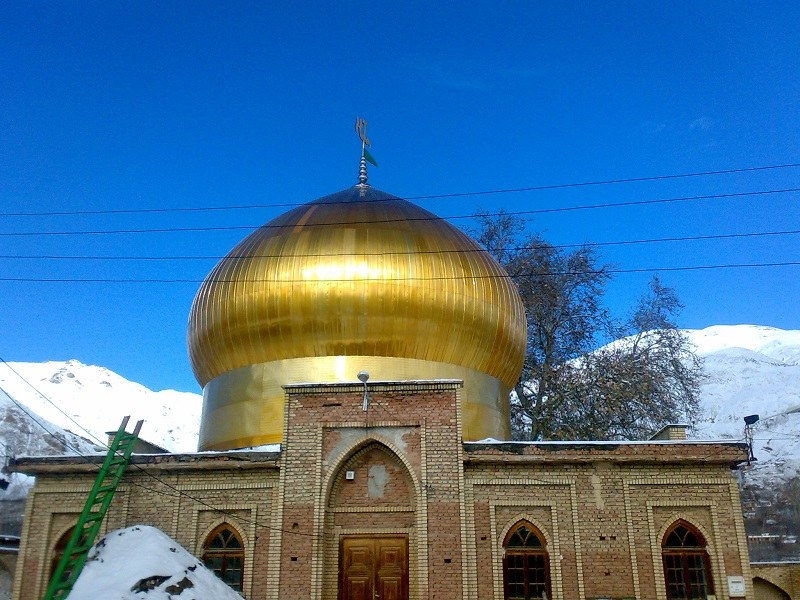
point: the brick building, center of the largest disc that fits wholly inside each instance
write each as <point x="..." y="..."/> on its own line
<point x="376" y="344"/>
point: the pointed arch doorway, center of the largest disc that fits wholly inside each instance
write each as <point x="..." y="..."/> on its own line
<point x="374" y="567"/>
<point x="371" y="514"/>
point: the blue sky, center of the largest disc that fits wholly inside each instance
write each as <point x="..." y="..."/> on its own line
<point x="141" y="105"/>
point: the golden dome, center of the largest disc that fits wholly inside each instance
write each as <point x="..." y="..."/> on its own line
<point x="359" y="273"/>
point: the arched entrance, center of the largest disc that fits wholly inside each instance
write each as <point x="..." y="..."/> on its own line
<point x="766" y="590"/>
<point x="370" y="527"/>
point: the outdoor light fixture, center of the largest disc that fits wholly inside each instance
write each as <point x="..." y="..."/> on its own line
<point x="363" y="376"/>
<point x="5" y="477"/>
<point x="749" y="421"/>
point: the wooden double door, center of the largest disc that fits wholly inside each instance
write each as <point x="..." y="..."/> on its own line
<point x="373" y="567"/>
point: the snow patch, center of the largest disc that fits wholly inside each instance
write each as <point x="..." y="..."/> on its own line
<point x="143" y="562"/>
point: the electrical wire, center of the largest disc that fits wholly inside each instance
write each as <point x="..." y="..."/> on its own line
<point x="409" y="252"/>
<point x="53" y="404"/>
<point x="91" y="461"/>
<point x="424" y="197"/>
<point x="794" y="436"/>
<point x="403" y="279"/>
<point x="385" y="410"/>
<point x="438" y="196"/>
<point x="33" y="418"/>
<point x="398" y="219"/>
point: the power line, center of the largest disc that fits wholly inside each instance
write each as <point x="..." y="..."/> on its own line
<point x="768" y="431"/>
<point x="33" y="418"/>
<point x="77" y="451"/>
<point x="404" y="279"/>
<point x="62" y="440"/>
<point x="608" y="182"/>
<point x="411" y="253"/>
<point x="424" y="197"/>
<point x="401" y="219"/>
<point x="53" y="404"/>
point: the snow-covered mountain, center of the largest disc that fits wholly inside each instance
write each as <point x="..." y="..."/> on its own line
<point x="22" y="431"/>
<point x="749" y="370"/>
<point x="752" y="370"/>
<point x="91" y="401"/>
<point x="67" y="407"/>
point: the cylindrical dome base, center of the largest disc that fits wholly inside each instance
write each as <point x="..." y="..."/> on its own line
<point x="244" y="407"/>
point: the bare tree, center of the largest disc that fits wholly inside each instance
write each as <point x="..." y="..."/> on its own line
<point x="574" y="384"/>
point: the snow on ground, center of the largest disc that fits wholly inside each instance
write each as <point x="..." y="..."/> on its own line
<point x="142" y="562"/>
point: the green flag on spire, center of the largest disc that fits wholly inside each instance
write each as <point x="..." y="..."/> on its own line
<point x="369" y="157"/>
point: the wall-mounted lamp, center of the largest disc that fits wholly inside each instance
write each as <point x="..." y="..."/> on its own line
<point x="363" y="376"/>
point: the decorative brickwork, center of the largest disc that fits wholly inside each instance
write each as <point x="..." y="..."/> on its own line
<point x="396" y="486"/>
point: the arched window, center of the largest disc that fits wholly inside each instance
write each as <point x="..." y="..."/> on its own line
<point x="526" y="565"/>
<point x="687" y="569"/>
<point x="223" y="553"/>
<point x="58" y="551"/>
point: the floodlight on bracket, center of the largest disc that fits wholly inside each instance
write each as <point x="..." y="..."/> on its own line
<point x="5" y="476"/>
<point x="749" y="421"/>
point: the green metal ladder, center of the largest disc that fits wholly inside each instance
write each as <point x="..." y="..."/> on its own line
<point x="85" y="532"/>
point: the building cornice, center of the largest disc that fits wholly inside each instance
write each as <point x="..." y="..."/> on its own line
<point x="200" y="461"/>
<point x="649" y="452"/>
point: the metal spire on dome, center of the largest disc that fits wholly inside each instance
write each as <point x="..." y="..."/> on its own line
<point x="361" y="130"/>
<point x="362" y="172"/>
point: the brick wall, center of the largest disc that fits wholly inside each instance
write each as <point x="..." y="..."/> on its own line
<point x="603" y="509"/>
<point x="186" y="504"/>
<point x="406" y="459"/>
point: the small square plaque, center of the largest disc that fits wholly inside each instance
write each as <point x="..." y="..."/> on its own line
<point x="736" y="586"/>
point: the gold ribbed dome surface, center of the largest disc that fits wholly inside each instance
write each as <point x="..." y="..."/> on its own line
<point x="359" y="273"/>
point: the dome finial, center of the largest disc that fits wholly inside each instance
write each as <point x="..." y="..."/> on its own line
<point x="361" y="130"/>
<point x="362" y="171"/>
